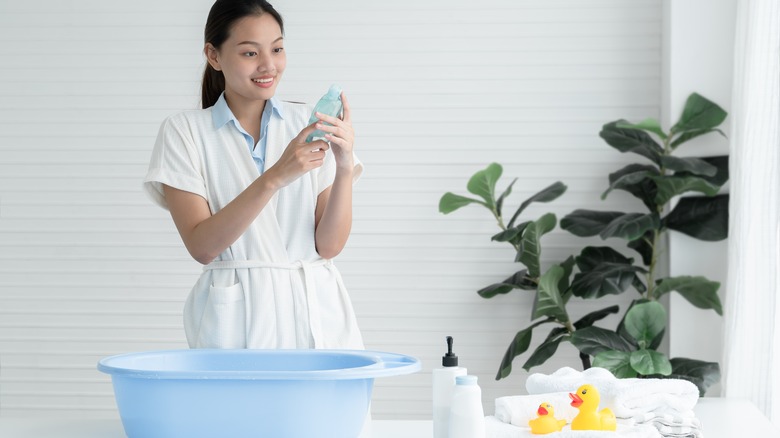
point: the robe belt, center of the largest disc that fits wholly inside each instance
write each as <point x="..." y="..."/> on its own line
<point x="311" y="292"/>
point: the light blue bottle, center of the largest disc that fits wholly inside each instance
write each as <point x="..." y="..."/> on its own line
<point x="329" y="104"/>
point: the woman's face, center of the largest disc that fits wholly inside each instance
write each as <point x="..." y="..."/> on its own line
<point x="252" y="58"/>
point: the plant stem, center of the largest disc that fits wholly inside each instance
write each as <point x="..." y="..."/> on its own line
<point x="657" y="232"/>
<point x="651" y="270"/>
<point x="585" y="361"/>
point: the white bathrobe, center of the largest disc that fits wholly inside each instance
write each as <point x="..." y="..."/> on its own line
<point x="270" y="288"/>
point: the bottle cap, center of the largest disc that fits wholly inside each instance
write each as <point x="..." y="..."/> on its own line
<point x="466" y="380"/>
<point x="449" y="359"/>
<point x="334" y="91"/>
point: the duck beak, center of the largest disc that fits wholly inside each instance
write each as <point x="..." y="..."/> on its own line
<point x="541" y="411"/>
<point x="576" y="401"/>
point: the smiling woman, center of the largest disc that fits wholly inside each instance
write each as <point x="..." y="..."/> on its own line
<point x="265" y="230"/>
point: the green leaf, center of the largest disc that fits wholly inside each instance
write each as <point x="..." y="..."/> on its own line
<point x="593" y="340"/>
<point x="699" y="291"/>
<point x="644" y="246"/>
<point x="671" y="186"/>
<point x="650" y="125"/>
<point x="631" y="140"/>
<point x="483" y="183"/>
<point x="703" y="374"/>
<point x="721" y="164"/>
<point x="547" y="194"/>
<point x="691" y="165"/>
<point x="500" y="201"/>
<point x="592" y="256"/>
<point x="546" y="349"/>
<point x="628" y="177"/>
<point x="589" y="319"/>
<point x="645" y="321"/>
<point x="621" y="329"/>
<point x="530" y="245"/>
<point x="517" y="347"/>
<point x="699" y="114"/>
<point x="606" y="279"/>
<point x="617" y="362"/>
<point x="631" y="226"/>
<point x="548" y="301"/>
<point x="519" y="280"/>
<point x="646" y="191"/>
<point x="688" y="135"/>
<point x="512" y="235"/>
<point x="603" y="271"/>
<point x="563" y="284"/>
<point x="586" y="223"/>
<point x="647" y="362"/>
<point x="451" y="202"/>
<point x="705" y="218"/>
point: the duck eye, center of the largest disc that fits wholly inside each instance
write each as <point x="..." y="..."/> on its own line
<point x="584" y="391"/>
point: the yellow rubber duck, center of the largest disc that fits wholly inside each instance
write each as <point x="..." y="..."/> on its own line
<point x="546" y="422"/>
<point x="587" y="400"/>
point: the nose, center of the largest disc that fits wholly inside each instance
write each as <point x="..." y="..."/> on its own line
<point x="265" y="64"/>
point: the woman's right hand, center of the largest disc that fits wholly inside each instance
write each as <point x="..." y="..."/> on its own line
<point x="298" y="158"/>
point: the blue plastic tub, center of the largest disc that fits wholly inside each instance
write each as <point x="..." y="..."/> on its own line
<point x="205" y="393"/>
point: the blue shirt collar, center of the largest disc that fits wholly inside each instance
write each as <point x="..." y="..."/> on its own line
<point x="221" y="114"/>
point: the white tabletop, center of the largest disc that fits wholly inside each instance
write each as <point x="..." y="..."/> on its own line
<point x="721" y="418"/>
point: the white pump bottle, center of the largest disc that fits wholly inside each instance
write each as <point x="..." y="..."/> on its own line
<point x="443" y="385"/>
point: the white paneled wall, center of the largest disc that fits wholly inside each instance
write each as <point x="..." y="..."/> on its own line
<point x="439" y="89"/>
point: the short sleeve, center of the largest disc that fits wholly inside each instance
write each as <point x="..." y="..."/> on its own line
<point x="175" y="162"/>
<point x="327" y="172"/>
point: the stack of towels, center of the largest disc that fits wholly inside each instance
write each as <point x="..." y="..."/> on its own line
<point x="644" y="408"/>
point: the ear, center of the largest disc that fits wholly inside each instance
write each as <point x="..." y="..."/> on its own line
<point x="212" y="56"/>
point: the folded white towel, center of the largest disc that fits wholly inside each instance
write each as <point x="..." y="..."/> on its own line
<point x="626" y="397"/>
<point x="495" y="428"/>
<point x="519" y="409"/>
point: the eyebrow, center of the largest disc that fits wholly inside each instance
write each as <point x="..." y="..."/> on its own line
<point x="253" y="43"/>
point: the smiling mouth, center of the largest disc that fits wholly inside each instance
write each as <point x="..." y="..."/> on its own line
<point x="263" y="80"/>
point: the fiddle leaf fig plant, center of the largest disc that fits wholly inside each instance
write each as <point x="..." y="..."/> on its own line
<point x="630" y="350"/>
<point x="551" y="287"/>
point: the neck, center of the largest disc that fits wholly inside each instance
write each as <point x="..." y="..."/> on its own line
<point x="245" y="110"/>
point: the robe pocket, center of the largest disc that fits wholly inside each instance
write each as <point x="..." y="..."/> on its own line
<point x="224" y="318"/>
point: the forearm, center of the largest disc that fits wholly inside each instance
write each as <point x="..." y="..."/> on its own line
<point x="334" y="226"/>
<point x="207" y="238"/>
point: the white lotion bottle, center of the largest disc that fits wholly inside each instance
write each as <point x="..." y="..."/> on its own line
<point x="443" y="385"/>
<point x="467" y="417"/>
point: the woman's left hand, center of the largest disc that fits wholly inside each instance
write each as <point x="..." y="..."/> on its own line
<point x="340" y="135"/>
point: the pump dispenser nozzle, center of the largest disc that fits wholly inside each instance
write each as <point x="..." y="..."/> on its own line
<point x="449" y="359"/>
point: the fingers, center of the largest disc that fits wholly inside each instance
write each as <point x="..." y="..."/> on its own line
<point x="347" y="116"/>
<point x="307" y="130"/>
<point x="339" y="131"/>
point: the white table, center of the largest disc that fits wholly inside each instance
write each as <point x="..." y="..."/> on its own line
<point x="721" y="418"/>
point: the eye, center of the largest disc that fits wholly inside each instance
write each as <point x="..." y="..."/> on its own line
<point x="248" y="54"/>
<point x="584" y="391"/>
<point x="278" y="50"/>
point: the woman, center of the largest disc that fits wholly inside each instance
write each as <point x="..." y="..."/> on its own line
<point x="263" y="210"/>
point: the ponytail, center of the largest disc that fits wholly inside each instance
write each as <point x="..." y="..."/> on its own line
<point x="213" y="86"/>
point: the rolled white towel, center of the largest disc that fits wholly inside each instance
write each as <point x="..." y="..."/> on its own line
<point x="519" y="409"/>
<point x="495" y="428"/>
<point x="626" y="397"/>
<point x="568" y="380"/>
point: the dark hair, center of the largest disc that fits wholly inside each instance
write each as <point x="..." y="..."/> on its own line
<point x="221" y="18"/>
